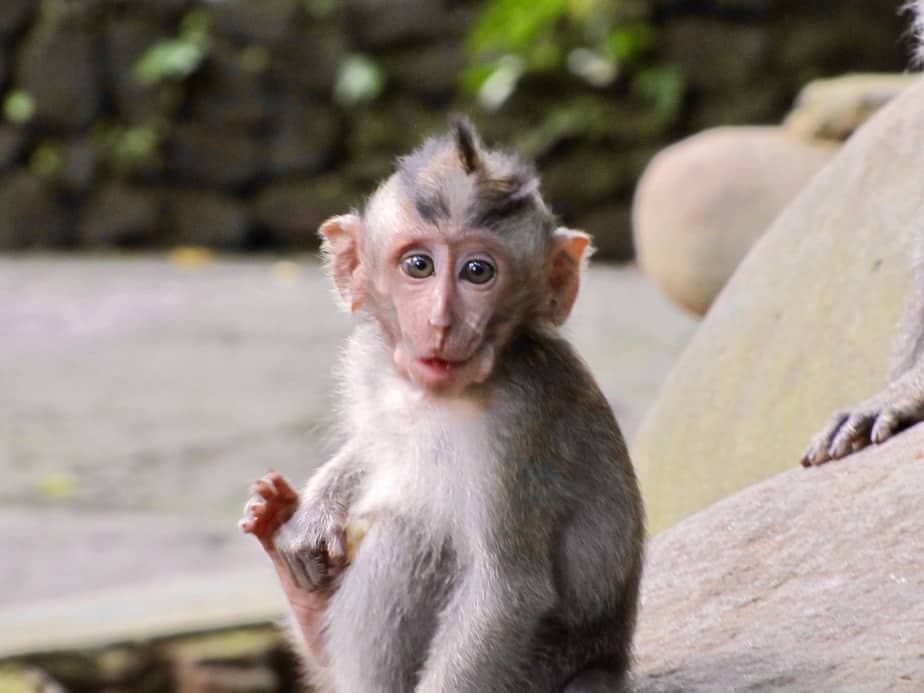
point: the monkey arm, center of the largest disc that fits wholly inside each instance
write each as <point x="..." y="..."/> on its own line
<point x="896" y="407"/>
<point x="873" y="420"/>
<point x="495" y="610"/>
<point x="309" y="550"/>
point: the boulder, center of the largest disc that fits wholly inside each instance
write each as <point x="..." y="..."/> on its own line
<point x="127" y="40"/>
<point x="809" y="581"/>
<point x="119" y="216"/>
<point x="31" y="215"/>
<point x="702" y="203"/>
<point x="199" y="217"/>
<point x="15" y="14"/>
<point x="834" y="108"/>
<point x="227" y="93"/>
<point x="380" y="24"/>
<point x="804" y="326"/>
<point x="12" y="143"/>
<point x="203" y="155"/>
<point x="267" y="21"/>
<point x="58" y="67"/>
<point x="305" y="138"/>
<point x="290" y="212"/>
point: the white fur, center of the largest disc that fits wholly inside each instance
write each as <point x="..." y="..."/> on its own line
<point x="425" y="456"/>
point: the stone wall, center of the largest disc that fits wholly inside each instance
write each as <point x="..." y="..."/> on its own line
<point x="251" y="142"/>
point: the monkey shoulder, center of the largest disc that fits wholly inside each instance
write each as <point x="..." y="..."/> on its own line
<point x="554" y="386"/>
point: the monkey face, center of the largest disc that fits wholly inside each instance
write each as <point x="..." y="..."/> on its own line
<point x="446" y="293"/>
<point x="452" y="254"/>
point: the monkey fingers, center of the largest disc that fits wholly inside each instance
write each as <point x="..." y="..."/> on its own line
<point x="271" y="504"/>
<point x="873" y="421"/>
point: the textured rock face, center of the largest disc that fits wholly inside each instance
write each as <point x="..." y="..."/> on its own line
<point x="810" y="581"/>
<point x="703" y="202"/>
<point x="805" y="325"/>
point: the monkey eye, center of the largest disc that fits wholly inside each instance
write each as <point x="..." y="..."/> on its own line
<point x="417" y="266"/>
<point x="477" y="271"/>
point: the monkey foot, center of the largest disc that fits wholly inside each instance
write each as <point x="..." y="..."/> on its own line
<point x="270" y="506"/>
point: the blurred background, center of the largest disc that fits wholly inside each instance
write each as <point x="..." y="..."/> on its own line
<point x="166" y="334"/>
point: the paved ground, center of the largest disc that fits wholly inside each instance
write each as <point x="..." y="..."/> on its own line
<point x="139" y="396"/>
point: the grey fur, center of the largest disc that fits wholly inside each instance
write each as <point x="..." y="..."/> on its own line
<point x="562" y="539"/>
<point x="506" y="528"/>
<point x="917" y="27"/>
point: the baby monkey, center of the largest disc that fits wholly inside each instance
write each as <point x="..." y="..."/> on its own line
<point x="480" y="529"/>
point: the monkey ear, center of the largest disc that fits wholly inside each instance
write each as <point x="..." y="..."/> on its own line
<point x="569" y="251"/>
<point x="340" y="239"/>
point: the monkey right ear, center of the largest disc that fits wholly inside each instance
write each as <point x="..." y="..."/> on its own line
<point x="340" y="239"/>
<point x="568" y="253"/>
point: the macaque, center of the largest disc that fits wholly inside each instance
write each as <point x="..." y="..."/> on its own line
<point x="901" y="403"/>
<point x="480" y="529"/>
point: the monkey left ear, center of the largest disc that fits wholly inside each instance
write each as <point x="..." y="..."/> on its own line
<point x="340" y="239"/>
<point x="569" y="250"/>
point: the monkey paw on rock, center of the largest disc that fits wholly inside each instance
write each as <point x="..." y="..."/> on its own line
<point x="874" y="420"/>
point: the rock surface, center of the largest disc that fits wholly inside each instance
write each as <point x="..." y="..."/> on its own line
<point x="834" y="108"/>
<point x="804" y="326"/>
<point x="810" y="581"/>
<point x="702" y="203"/>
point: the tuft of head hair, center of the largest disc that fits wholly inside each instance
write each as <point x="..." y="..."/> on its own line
<point x="916" y="7"/>
<point x="466" y="144"/>
<point x="454" y="176"/>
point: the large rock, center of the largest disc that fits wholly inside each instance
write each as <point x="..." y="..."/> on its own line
<point x="810" y="581"/>
<point x="200" y="217"/>
<point x="31" y="215"/>
<point x="119" y="216"/>
<point x="206" y="156"/>
<point x="58" y="67"/>
<point x="703" y="202"/>
<point x="805" y="325"/>
<point x="290" y="212"/>
<point x="15" y="14"/>
<point x="835" y="108"/>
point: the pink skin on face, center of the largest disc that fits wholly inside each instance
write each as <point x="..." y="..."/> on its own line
<point x="444" y="291"/>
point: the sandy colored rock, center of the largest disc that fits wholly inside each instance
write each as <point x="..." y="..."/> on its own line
<point x="835" y="108"/>
<point x="804" y="326"/>
<point x="702" y="203"/>
<point x="810" y="581"/>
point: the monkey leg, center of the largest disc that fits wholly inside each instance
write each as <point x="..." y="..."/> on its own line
<point x="383" y="615"/>
<point x="874" y="420"/>
<point x="272" y="504"/>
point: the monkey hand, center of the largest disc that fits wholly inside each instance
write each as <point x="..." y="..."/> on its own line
<point x="271" y="504"/>
<point x="871" y="421"/>
<point x="313" y="544"/>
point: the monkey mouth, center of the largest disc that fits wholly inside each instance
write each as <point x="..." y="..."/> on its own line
<point x="438" y="364"/>
<point x="438" y="371"/>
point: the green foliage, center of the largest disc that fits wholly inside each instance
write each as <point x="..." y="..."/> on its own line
<point x="176" y="58"/>
<point x="596" y="40"/>
<point x="663" y="86"/>
<point x="359" y="79"/>
<point x="18" y="107"/>
<point x="255" y="58"/>
<point x="128" y="147"/>
<point x="46" y="159"/>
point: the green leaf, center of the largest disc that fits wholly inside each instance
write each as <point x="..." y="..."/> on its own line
<point x="664" y="86"/>
<point x="18" y="107"/>
<point x="359" y="79"/>
<point x="46" y="159"/>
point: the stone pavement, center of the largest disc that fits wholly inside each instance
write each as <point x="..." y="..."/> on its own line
<point x="139" y="396"/>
